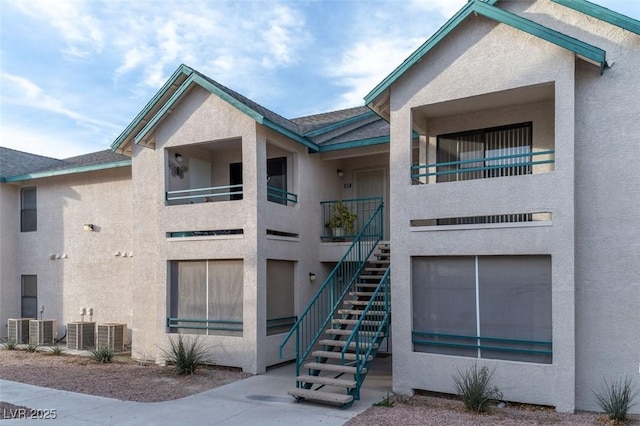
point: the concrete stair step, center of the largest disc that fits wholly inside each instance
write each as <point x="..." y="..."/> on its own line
<point x="342" y="344"/>
<point x="367" y="285"/>
<point x="361" y="293"/>
<point x="369" y="277"/>
<point x="341" y="321"/>
<point x="314" y="395"/>
<point x="374" y="269"/>
<point x="329" y="381"/>
<point x="363" y="302"/>
<point x="336" y="355"/>
<point x="347" y="332"/>
<point x="334" y="368"/>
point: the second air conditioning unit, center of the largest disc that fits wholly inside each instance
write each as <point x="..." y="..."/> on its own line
<point x="112" y="336"/>
<point x="43" y="332"/>
<point x="18" y="330"/>
<point x="81" y="335"/>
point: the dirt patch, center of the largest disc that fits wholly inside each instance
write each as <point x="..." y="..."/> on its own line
<point x="431" y="410"/>
<point x="123" y="379"/>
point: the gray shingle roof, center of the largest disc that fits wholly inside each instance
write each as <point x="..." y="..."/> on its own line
<point x="14" y="163"/>
<point x="17" y="163"/>
<point x="317" y="121"/>
<point x="370" y="130"/>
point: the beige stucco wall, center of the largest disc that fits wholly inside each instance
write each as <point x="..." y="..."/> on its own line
<point x="482" y="57"/>
<point x="85" y="273"/>
<point x="9" y="275"/>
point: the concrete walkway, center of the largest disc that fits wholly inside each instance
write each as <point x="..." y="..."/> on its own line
<point x="258" y="400"/>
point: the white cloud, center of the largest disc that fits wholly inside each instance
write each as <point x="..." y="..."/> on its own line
<point x="81" y="31"/>
<point x="446" y="8"/>
<point x="21" y="91"/>
<point x="44" y="142"/>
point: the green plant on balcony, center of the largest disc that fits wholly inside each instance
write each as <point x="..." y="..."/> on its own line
<point x="342" y="219"/>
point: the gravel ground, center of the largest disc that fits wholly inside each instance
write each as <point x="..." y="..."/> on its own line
<point x="128" y="380"/>
<point x="123" y="379"/>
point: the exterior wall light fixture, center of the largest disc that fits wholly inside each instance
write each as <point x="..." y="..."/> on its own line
<point x="312" y="277"/>
<point x="89" y="227"/>
<point x="340" y="173"/>
<point x="178" y="157"/>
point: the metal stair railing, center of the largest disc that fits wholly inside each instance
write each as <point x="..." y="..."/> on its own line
<point x="321" y="309"/>
<point x="365" y="343"/>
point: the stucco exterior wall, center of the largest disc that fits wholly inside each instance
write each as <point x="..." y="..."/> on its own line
<point x="502" y="59"/>
<point x="84" y="271"/>
<point x="9" y="276"/>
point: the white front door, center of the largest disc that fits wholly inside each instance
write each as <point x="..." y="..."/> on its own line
<point x="371" y="183"/>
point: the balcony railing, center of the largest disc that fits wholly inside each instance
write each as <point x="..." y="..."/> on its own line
<point x="281" y="196"/>
<point x="214" y="193"/>
<point x="363" y="208"/>
<point x="480" y="168"/>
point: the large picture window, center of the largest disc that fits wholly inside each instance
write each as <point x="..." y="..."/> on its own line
<point x="206" y="297"/>
<point x="28" y="210"/>
<point x="500" y="151"/>
<point x="496" y="307"/>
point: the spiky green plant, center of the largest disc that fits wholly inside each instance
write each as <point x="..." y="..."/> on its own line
<point x="56" y="350"/>
<point x="474" y="388"/>
<point x="102" y="355"/>
<point x="186" y="355"/>
<point x="11" y="345"/>
<point x="31" y="347"/>
<point x="386" y="402"/>
<point x="616" y="397"/>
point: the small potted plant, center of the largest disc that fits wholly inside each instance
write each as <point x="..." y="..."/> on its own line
<point x="342" y="220"/>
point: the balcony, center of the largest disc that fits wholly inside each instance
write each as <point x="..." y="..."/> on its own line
<point x="344" y="219"/>
<point x="483" y="167"/>
<point x="206" y="195"/>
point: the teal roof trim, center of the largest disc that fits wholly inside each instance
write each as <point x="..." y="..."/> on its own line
<point x="71" y="170"/>
<point x="355" y="144"/>
<point x="602" y="13"/>
<point x="184" y="87"/>
<point x="182" y="69"/>
<point x="489" y="11"/>
<point x="288" y="133"/>
<point x="339" y="124"/>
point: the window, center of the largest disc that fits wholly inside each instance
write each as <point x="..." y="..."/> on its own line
<point x="28" y="210"/>
<point x="29" y="292"/>
<point x="206" y="297"/>
<point x="277" y="180"/>
<point x="235" y="179"/>
<point x="496" y="307"/>
<point x="280" y="296"/>
<point x="500" y="151"/>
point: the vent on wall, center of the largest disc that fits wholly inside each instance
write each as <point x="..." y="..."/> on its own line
<point x="81" y="335"/>
<point x="43" y="332"/>
<point x="18" y="329"/>
<point x="112" y="336"/>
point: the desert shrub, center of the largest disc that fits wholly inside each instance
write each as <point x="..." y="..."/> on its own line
<point x="102" y="355"/>
<point x="474" y="388"/>
<point x="616" y="397"/>
<point x="11" y="345"/>
<point x="56" y="350"/>
<point x="186" y="355"/>
<point x="386" y="402"/>
<point x="31" y="347"/>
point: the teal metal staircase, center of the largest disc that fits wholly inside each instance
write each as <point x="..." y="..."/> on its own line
<point x="340" y="332"/>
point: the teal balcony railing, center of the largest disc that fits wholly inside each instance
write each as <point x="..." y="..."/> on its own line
<point x="281" y="196"/>
<point x="363" y="208"/>
<point x="318" y="314"/>
<point x="213" y="193"/>
<point x="483" y="167"/>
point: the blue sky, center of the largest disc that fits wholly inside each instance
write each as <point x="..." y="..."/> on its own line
<point x="74" y="73"/>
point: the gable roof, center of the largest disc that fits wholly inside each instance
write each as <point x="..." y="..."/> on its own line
<point x="304" y="130"/>
<point x="16" y="166"/>
<point x="602" y="13"/>
<point x="487" y="9"/>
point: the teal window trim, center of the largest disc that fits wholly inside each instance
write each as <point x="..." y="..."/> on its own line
<point x="234" y="325"/>
<point x="602" y="13"/>
<point x="418" y="338"/>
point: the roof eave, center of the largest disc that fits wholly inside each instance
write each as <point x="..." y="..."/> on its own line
<point x="67" y="171"/>
<point x="603" y="14"/>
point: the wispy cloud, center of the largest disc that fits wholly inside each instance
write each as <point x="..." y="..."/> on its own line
<point x="21" y="91"/>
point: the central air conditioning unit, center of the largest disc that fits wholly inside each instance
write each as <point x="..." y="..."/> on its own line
<point x="112" y="336"/>
<point x="81" y="335"/>
<point x="18" y="329"/>
<point x="43" y="332"/>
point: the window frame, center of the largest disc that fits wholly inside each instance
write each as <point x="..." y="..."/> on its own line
<point x="28" y="224"/>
